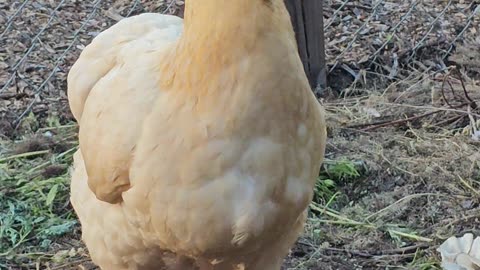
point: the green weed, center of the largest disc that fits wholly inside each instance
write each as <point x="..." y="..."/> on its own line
<point x="34" y="198"/>
<point x="332" y="174"/>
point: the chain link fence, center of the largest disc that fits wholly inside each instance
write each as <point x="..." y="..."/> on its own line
<point x="40" y="40"/>
<point x="365" y="40"/>
<point x="390" y="40"/>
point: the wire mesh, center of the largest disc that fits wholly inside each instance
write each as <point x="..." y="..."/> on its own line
<point x="392" y="38"/>
<point x="40" y="40"/>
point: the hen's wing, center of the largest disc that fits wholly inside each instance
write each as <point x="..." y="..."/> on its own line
<point x="118" y="69"/>
<point x="106" y="51"/>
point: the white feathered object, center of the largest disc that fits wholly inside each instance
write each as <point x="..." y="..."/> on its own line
<point x="461" y="253"/>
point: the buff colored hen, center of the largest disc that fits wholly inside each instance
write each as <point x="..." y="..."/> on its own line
<point x="200" y="141"/>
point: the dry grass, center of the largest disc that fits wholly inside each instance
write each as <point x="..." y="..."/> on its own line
<point x="385" y="199"/>
<point x="419" y="184"/>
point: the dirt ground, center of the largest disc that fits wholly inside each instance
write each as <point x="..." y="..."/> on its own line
<point x="402" y="170"/>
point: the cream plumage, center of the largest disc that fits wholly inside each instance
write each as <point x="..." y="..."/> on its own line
<point x="201" y="143"/>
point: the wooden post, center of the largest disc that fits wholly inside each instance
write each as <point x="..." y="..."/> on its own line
<point x="307" y="20"/>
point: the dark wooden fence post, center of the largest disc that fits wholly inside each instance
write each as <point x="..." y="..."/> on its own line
<point x="307" y="20"/>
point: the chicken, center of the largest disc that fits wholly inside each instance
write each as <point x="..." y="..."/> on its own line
<point x="200" y="141"/>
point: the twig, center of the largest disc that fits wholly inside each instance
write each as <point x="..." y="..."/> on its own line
<point x="473" y="105"/>
<point x="397" y="122"/>
<point x="71" y="264"/>
<point x="12" y="95"/>
<point x="341" y="220"/>
<point x="449" y="120"/>
<point x="376" y="125"/>
<point x="352" y="6"/>
<point x="468" y="186"/>
<point x="410" y="236"/>
<point x="357" y="253"/>
<point x="24" y="155"/>
<point x="401" y="201"/>
<point x="402" y="251"/>
<point x="445" y="79"/>
<point x="423" y="107"/>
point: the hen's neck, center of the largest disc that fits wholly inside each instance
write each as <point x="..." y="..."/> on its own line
<point x="218" y="33"/>
<point x="212" y="25"/>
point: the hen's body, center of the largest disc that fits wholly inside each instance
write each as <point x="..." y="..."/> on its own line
<point x="206" y="145"/>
